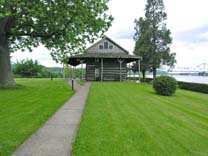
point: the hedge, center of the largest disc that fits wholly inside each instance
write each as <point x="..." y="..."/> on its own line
<point x="198" y="87"/>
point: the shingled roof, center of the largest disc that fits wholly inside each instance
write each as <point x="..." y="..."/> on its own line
<point x="75" y="60"/>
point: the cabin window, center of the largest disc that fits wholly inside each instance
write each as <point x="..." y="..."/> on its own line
<point x="105" y="45"/>
<point x="110" y="46"/>
<point x="100" y="46"/>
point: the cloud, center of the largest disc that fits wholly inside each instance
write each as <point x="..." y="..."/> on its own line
<point x="203" y="36"/>
<point x="187" y="20"/>
<point x="123" y="34"/>
<point x="199" y="34"/>
<point x="184" y="15"/>
<point x="191" y="54"/>
<point x="41" y="54"/>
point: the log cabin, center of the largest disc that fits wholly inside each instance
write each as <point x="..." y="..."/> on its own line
<point x="105" y="61"/>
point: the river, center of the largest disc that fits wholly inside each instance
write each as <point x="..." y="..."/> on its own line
<point x="187" y="78"/>
<point x="196" y="79"/>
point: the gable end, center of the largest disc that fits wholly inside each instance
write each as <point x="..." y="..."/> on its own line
<point x="106" y="45"/>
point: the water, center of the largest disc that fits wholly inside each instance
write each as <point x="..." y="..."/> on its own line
<point x="195" y="79"/>
<point x="187" y="78"/>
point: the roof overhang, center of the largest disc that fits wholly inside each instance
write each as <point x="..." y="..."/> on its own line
<point x="79" y="59"/>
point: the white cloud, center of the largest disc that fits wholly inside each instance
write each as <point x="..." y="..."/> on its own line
<point x="41" y="54"/>
<point x="190" y="55"/>
<point x="184" y="16"/>
<point x="203" y="35"/>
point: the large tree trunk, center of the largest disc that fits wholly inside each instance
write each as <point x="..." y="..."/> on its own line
<point x="154" y="70"/>
<point x="6" y="78"/>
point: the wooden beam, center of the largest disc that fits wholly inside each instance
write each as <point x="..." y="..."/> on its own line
<point x="139" y="69"/>
<point x="101" y="69"/>
<point x="120" y="61"/>
<point x="81" y="61"/>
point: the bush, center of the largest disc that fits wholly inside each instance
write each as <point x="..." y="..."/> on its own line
<point x="198" y="87"/>
<point x="164" y="85"/>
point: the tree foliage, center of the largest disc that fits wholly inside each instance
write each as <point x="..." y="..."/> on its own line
<point x="63" y="26"/>
<point x="153" y="38"/>
<point x="142" y="45"/>
<point x="31" y="68"/>
<point x="27" y="68"/>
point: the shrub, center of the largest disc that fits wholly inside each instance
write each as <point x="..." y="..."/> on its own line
<point x="198" y="87"/>
<point x="164" y="85"/>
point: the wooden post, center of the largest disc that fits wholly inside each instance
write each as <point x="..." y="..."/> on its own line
<point x="72" y="84"/>
<point x="101" y="69"/>
<point x="120" y="61"/>
<point x="139" y="69"/>
<point x="70" y="68"/>
<point x="64" y="72"/>
<point x="134" y="72"/>
<point x="81" y="61"/>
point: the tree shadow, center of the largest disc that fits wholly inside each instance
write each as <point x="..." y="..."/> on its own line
<point x="16" y="87"/>
<point x="156" y="94"/>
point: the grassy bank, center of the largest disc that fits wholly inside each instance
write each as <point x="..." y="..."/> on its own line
<point x="25" y="108"/>
<point x="127" y="119"/>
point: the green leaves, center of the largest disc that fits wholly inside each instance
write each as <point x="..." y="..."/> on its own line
<point x="63" y="26"/>
<point x="152" y="38"/>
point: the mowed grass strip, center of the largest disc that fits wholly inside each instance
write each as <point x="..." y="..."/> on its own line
<point x="128" y="119"/>
<point x="25" y="108"/>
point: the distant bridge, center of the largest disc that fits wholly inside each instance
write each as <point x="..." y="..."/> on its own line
<point x="199" y="68"/>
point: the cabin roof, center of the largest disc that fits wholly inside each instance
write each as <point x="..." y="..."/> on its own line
<point x="107" y="38"/>
<point x="75" y="60"/>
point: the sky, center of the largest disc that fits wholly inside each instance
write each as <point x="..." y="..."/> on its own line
<point x="187" y="20"/>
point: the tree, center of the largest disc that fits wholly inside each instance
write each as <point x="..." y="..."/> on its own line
<point x="62" y="26"/>
<point x="141" y="48"/>
<point x="154" y="37"/>
<point x="27" y="68"/>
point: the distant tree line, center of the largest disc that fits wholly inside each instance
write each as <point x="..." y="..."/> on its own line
<point x="32" y="69"/>
<point x="29" y="68"/>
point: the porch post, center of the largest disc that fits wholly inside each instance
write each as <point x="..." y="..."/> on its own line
<point x="64" y="72"/>
<point x="139" y="69"/>
<point x="101" y="69"/>
<point x="81" y="61"/>
<point x="120" y="61"/>
<point x="71" y="72"/>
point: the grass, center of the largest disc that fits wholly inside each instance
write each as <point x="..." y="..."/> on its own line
<point x="128" y="119"/>
<point x="25" y="108"/>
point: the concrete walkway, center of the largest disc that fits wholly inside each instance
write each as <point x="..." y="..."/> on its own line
<point x="56" y="136"/>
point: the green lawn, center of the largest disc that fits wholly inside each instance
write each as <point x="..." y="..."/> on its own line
<point x="128" y="119"/>
<point x="25" y="108"/>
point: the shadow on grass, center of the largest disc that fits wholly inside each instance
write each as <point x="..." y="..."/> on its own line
<point x="16" y="87"/>
<point x="156" y="94"/>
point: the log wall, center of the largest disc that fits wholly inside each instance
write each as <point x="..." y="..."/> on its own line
<point x="111" y="70"/>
